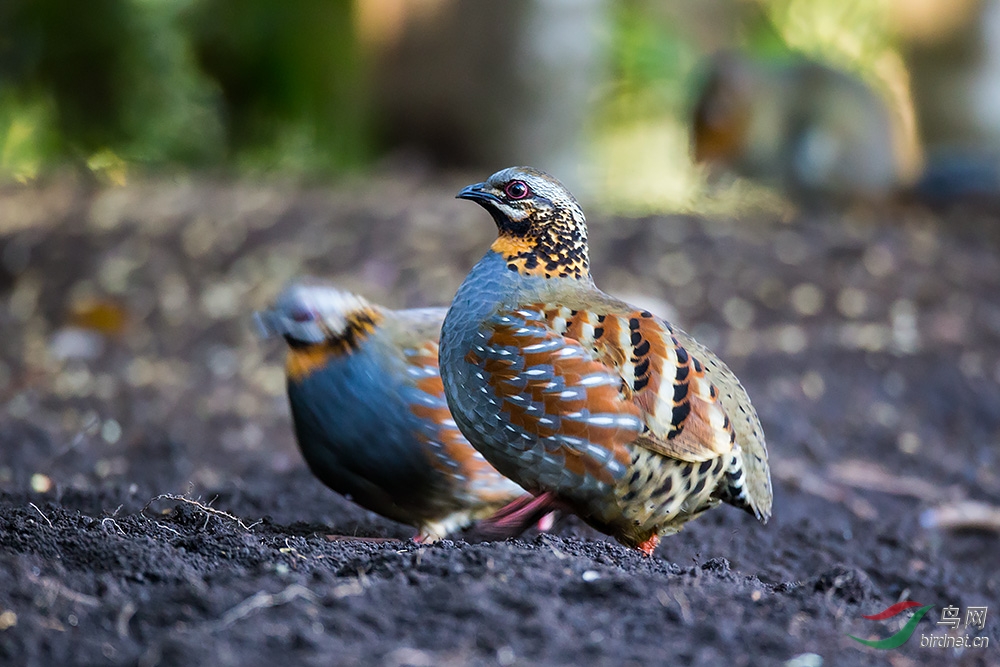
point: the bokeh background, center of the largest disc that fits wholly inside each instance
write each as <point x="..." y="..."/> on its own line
<point x="809" y="187"/>
<point x="595" y="91"/>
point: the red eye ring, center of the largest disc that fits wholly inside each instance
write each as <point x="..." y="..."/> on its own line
<point x="517" y="190"/>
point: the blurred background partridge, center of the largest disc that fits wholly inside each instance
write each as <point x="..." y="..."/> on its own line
<point x="807" y="128"/>
<point x="582" y="399"/>
<point x="369" y="411"/>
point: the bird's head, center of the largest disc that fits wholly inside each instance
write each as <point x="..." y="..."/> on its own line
<point x="318" y="321"/>
<point x="542" y="230"/>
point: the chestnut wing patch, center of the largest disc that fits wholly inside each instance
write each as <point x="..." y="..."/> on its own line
<point x="680" y="407"/>
<point x="554" y="398"/>
<point x="450" y="452"/>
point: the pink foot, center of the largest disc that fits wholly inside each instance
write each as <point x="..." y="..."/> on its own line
<point x="649" y="546"/>
<point x="517" y="516"/>
<point x="545" y="524"/>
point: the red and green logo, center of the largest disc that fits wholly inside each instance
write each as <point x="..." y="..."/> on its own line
<point x="898" y="639"/>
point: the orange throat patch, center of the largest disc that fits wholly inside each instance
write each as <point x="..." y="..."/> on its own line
<point x="512" y="246"/>
<point x="546" y="258"/>
<point x="302" y="362"/>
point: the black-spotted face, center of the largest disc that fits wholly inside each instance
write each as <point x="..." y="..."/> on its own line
<point x="542" y="229"/>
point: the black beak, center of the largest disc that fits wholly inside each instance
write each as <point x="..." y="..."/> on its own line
<point x="477" y="193"/>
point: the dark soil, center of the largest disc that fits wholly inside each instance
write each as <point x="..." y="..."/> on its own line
<point x="869" y="341"/>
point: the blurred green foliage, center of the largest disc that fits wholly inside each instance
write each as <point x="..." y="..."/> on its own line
<point x="850" y="34"/>
<point x="656" y="50"/>
<point x="659" y="49"/>
<point x="116" y="75"/>
<point x="651" y="61"/>
<point x="291" y="81"/>
<point x="250" y="83"/>
<point x="258" y="85"/>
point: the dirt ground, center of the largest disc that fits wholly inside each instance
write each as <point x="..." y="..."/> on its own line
<point x="154" y="509"/>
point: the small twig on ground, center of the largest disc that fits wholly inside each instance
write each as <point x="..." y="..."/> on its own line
<point x="42" y="514"/>
<point x="560" y="555"/>
<point x="124" y="618"/>
<point x="211" y="511"/>
<point x="350" y="587"/>
<point x="962" y="515"/>
<point x="57" y="589"/>
<point x="682" y="603"/>
<point x="289" y="549"/>
<point x="873" y="477"/>
<point x="355" y="538"/>
<point x="797" y="473"/>
<point x="165" y="527"/>
<point x="106" y="520"/>
<point x="262" y="600"/>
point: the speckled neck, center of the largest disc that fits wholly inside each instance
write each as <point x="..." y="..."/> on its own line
<point x="553" y="245"/>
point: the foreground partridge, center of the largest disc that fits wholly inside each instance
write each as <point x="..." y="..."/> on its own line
<point x="587" y="402"/>
<point x="370" y="414"/>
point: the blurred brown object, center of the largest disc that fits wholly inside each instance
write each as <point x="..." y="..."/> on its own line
<point x="101" y="315"/>
<point x="962" y="515"/>
<point x="952" y="49"/>
<point x="813" y="131"/>
<point x="488" y="83"/>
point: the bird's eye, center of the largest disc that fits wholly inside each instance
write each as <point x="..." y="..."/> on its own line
<point x="302" y="315"/>
<point x="517" y="190"/>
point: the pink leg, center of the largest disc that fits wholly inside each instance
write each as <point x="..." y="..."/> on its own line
<point x="517" y="516"/>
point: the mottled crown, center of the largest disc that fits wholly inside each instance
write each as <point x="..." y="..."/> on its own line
<point x="310" y="313"/>
<point x="542" y="229"/>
